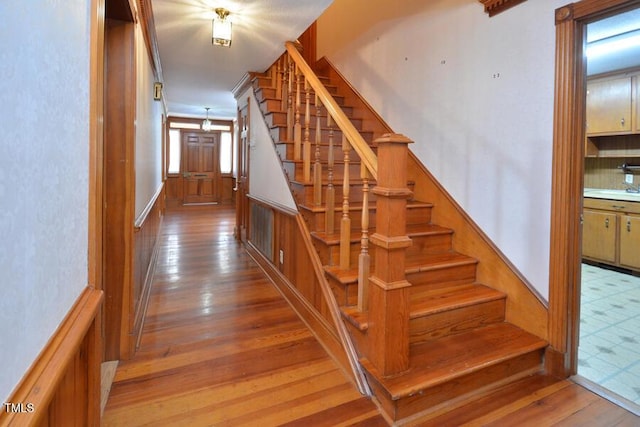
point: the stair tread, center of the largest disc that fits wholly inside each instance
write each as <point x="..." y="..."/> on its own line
<point x="411" y="204"/>
<point x="413" y="230"/>
<point x="431" y="301"/>
<point x="445" y="359"/>
<point x="423" y="262"/>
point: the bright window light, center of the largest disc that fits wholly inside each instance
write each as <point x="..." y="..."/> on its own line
<point x="174" y="151"/>
<point x="226" y="152"/>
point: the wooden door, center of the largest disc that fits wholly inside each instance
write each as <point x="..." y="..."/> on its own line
<point x="630" y="241"/>
<point x="599" y="235"/>
<point x="242" y="190"/>
<point x="201" y="167"/>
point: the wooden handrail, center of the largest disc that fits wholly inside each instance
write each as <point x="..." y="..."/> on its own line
<point x="367" y="156"/>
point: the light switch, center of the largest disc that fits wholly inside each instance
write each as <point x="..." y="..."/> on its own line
<point x="628" y="178"/>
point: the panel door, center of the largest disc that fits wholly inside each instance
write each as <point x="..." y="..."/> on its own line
<point x="201" y="170"/>
<point x="630" y="241"/>
<point x="599" y="235"/>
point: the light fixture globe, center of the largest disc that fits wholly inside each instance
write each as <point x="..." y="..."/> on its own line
<point x="221" y="28"/>
<point x="206" y="124"/>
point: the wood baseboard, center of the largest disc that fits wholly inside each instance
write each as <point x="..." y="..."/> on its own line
<point x="62" y="387"/>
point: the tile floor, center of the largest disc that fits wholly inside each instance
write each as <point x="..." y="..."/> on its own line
<point x="609" y="350"/>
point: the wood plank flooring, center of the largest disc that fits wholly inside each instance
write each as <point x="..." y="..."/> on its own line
<point x="221" y="347"/>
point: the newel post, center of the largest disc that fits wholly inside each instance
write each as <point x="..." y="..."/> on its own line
<point x="389" y="289"/>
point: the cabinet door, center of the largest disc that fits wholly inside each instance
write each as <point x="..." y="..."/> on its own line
<point x="630" y="241"/>
<point x="609" y="106"/>
<point x="599" y="235"/>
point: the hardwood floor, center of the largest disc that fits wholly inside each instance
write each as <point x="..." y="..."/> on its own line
<point x="221" y="347"/>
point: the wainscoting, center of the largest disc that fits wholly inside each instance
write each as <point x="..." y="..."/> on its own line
<point x="286" y="255"/>
<point x="145" y="238"/>
<point x="62" y="387"/>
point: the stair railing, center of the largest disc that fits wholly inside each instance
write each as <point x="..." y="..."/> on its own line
<point x="305" y="79"/>
<point x="386" y="287"/>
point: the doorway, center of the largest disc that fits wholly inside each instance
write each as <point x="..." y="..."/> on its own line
<point x="609" y="341"/>
<point x="568" y="178"/>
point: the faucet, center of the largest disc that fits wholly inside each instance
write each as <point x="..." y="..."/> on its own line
<point x="631" y="188"/>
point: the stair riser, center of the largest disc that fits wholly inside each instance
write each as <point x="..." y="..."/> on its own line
<point x="330" y="253"/>
<point x="430" y="244"/>
<point x="469" y="386"/>
<point x="304" y="194"/>
<point x="456" y="321"/>
<point x="279" y="133"/>
<point x="295" y="170"/>
<point x="442" y="277"/>
<point x="346" y="294"/>
<point x="286" y="151"/>
<point x="277" y="116"/>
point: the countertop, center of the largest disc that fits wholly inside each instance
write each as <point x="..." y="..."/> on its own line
<point x="599" y="193"/>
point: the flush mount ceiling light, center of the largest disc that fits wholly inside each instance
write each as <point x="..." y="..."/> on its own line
<point x="206" y="124"/>
<point x="221" y="28"/>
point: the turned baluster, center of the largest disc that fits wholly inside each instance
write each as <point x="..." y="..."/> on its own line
<point x="317" y="166"/>
<point x="331" y="191"/>
<point x="345" y="223"/>
<point x="364" y="260"/>
<point x="278" y="78"/>
<point x="285" y="85"/>
<point x="290" y="79"/>
<point x="306" y="153"/>
<point x="297" y="127"/>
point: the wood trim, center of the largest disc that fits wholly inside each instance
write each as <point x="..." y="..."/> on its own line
<point x="46" y="377"/>
<point x="148" y="27"/>
<point x="143" y="215"/>
<point x="567" y="179"/>
<point x="493" y="7"/>
<point x="367" y="156"/>
<point x="278" y="207"/>
<point x="96" y="142"/>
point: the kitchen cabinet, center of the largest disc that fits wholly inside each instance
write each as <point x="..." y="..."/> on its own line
<point x="630" y="241"/>
<point x="599" y="235"/>
<point x="611" y="232"/>
<point x="609" y="106"/>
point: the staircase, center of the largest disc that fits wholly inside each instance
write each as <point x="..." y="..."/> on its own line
<point x="428" y="335"/>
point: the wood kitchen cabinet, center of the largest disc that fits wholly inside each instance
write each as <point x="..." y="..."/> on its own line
<point x="609" y="106"/>
<point x="599" y="235"/>
<point x="630" y="241"/>
<point x="611" y="232"/>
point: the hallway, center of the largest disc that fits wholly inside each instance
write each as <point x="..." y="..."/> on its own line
<point x="220" y="346"/>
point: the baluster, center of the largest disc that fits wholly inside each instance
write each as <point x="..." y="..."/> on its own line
<point x="307" y="122"/>
<point x="317" y="166"/>
<point x="290" y="100"/>
<point x="331" y="191"/>
<point x="297" y="127"/>
<point x="285" y="85"/>
<point x="278" y="78"/>
<point x="345" y="223"/>
<point x="364" y="260"/>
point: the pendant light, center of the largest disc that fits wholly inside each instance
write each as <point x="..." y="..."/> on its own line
<point x="206" y="124"/>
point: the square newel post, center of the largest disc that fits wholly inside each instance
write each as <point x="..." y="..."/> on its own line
<point x="389" y="289"/>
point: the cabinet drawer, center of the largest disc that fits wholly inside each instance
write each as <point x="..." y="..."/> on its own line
<point x="612" y="205"/>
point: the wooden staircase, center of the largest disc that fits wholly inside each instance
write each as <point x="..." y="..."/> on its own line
<point x="427" y="333"/>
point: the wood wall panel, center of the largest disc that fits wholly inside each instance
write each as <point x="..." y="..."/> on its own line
<point x="62" y="387"/>
<point x="145" y="251"/>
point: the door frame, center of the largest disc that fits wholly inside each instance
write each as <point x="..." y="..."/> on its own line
<point x="568" y="178"/>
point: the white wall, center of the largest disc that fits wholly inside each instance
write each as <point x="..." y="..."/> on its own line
<point x="148" y="154"/>
<point x="266" y="180"/>
<point x="475" y="94"/>
<point x="44" y="140"/>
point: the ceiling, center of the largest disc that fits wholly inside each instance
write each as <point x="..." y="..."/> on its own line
<point x="198" y="74"/>
<point x="605" y="33"/>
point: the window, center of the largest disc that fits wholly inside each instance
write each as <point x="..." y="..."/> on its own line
<point x="226" y="152"/>
<point x="174" y="151"/>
